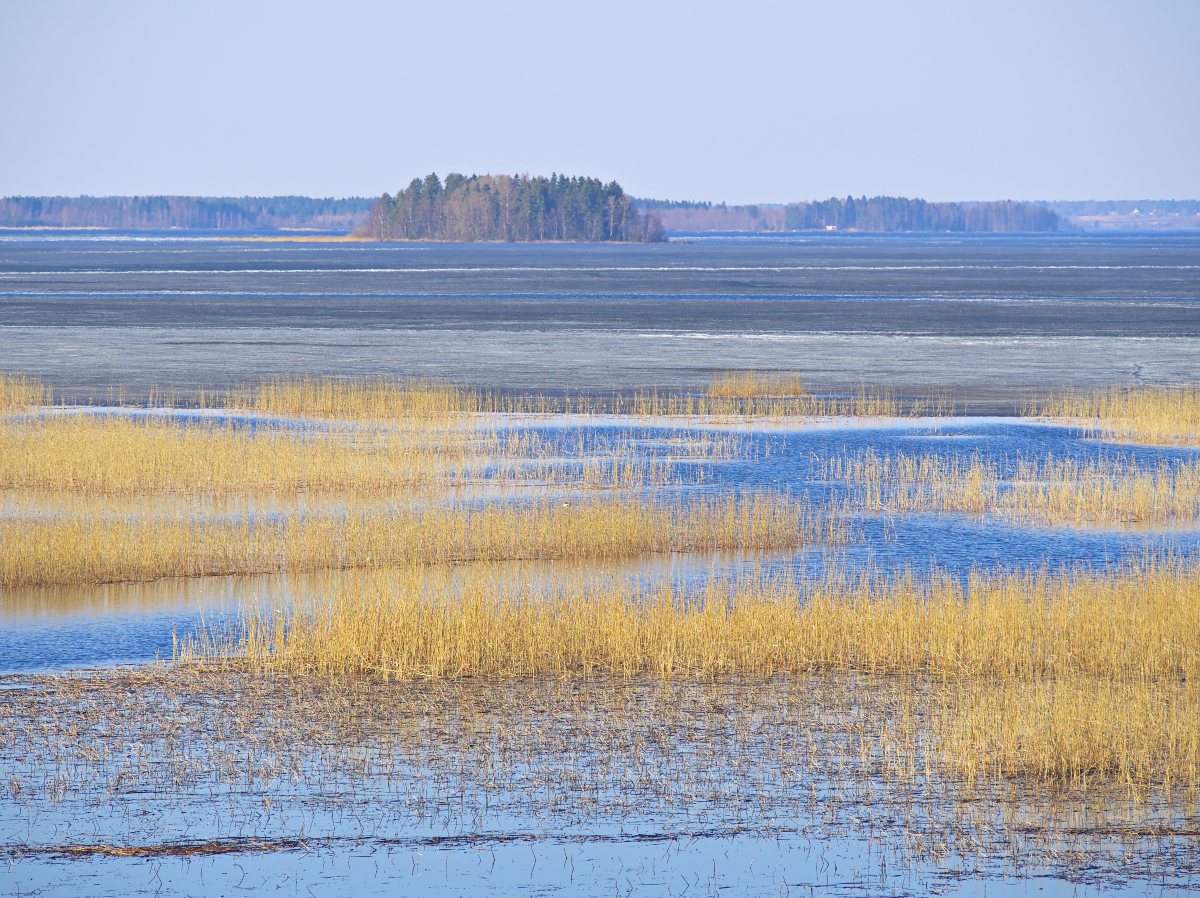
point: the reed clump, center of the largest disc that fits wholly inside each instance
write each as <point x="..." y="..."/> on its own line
<point x="1073" y="678"/>
<point x="97" y="548"/>
<point x="1141" y="626"/>
<point x="1039" y="490"/>
<point x="1167" y="416"/>
<point x="755" y="384"/>
<point x="362" y="398"/>
<point x="118" y="455"/>
<point x="731" y="395"/>
<point x="19" y="393"/>
<point x="732" y="404"/>
<point x="782" y="395"/>
<point x="1073" y="730"/>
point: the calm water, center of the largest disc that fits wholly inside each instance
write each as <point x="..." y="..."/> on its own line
<point x="991" y="317"/>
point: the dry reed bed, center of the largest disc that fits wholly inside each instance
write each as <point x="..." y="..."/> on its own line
<point x="730" y="395"/>
<point x="1142" y="625"/>
<point x="1168" y="416"/>
<point x="120" y="456"/>
<point x="1047" y="490"/>
<point x="99" y="549"/>
<point x="1078" y="731"/>
<point x="19" y="393"/>
<point x="113" y="455"/>
<point x="1110" y="664"/>
<point x="366" y="398"/>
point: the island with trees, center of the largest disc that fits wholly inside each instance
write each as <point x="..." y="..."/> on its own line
<point x="511" y="208"/>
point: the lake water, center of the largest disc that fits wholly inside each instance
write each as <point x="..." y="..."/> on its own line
<point x="990" y="317"/>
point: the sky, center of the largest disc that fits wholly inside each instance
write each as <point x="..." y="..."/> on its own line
<point x="737" y="102"/>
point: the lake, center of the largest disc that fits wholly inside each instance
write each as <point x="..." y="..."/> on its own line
<point x="990" y="318"/>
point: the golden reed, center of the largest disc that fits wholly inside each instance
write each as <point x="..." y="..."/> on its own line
<point x="1075" y="678"/>
<point x="1167" y="416"/>
<point x="97" y="548"/>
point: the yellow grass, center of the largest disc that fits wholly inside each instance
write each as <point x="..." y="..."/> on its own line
<point x="1075" y="730"/>
<point x="95" y="549"/>
<point x="121" y="456"/>
<point x="731" y="404"/>
<point x="1167" y="416"/>
<point x="117" y="455"/>
<point x="754" y="384"/>
<point x="18" y="393"/>
<point x="731" y="395"/>
<point x="314" y="397"/>
<point x="1050" y="491"/>
<point x="1143" y="625"/>
<point x="1075" y="679"/>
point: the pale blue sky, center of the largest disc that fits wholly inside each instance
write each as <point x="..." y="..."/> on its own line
<point x="743" y="102"/>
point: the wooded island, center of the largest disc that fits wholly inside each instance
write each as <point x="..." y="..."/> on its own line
<point x="511" y="208"/>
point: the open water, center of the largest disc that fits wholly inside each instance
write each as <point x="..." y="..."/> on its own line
<point x="989" y="317"/>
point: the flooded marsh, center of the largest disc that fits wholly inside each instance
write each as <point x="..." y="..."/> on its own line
<point x="381" y="637"/>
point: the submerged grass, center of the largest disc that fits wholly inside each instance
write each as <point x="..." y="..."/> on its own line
<point x="796" y="764"/>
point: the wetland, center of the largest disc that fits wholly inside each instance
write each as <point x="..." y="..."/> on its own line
<point x="576" y="570"/>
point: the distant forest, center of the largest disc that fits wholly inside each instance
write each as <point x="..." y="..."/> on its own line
<point x="197" y="212"/>
<point x="564" y="208"/>
<point x="510" y="208"/>
<point x="877" y="213"/>
<point x="1124" y="207"/>
<point x="687" y="215"/>
<point x="897" y="213"/>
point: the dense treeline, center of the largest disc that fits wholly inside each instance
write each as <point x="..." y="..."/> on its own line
<point x="688" y="215"/>
<point x="877" y="213"/>
<point x="896" y="213"/>
<point x="158" y="212"/>
<point x="1072" y="208"/>
<point x="645" y="203"/>
<point x="510" y="208"/>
